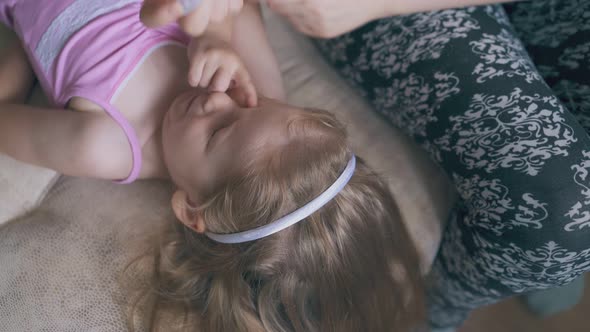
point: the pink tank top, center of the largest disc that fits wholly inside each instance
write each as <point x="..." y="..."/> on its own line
<point x="87" y="48"/>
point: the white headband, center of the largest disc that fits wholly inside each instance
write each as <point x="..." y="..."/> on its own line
<point x="293" y="217"/>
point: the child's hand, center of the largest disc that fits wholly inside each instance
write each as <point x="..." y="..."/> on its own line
<point x="216" y="66"/>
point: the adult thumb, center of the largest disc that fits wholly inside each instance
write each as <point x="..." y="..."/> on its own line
<point x="155" y="13"/>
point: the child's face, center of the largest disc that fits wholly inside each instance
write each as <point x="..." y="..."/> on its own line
<point x="208" y="136"/>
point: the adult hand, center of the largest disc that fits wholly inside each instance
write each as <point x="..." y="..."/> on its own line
<point x="193" y="16"/>
<point x="330" y="18"/>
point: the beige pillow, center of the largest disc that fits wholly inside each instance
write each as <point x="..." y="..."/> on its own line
<point x="60" y="263"/>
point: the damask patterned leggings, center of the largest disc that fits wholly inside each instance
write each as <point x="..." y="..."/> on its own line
<point x="506" y="120"/>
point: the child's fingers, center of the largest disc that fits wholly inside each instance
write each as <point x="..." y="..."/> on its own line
<point x="244" y="83"/>
<point x="251" y="95"/>
<point x="211" y="66"/>
<point x="196" y="72"/>
<point x="239" y="96"/>
<point x="244" y="96"/>
<point x="222" y="79"/>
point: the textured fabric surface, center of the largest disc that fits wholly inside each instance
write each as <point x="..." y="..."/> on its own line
<point x="60" y="262"/>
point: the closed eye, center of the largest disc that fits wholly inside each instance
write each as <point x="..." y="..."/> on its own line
<point x="212" y="136"/>
<point x="218" y="133"/>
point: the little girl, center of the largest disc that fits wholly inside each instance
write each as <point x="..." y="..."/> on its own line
<point x="281" y="227"/>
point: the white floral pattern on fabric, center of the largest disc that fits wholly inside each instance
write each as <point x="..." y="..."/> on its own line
<point x="580" y="211"/>
<point x="550" y="23"/>
<point x="464" y="275"/>
<point x="515" y="131"/>
<point x="502" y="55"/>
<point x="520" y="269"/>
<point x="491" y="207"/>
<point x="398" y="42"/>
<point x="465" y="89"/>
<point x="410" y="103"/>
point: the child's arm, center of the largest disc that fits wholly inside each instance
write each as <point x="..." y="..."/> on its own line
<point x="250" y="41"/>
<point x="74" y="143"/>
<point x="16" y="75"/>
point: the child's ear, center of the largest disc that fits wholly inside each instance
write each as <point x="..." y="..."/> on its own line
<point x="188" y="215"/>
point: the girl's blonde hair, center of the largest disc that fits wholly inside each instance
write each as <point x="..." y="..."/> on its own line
<point x="351" y="266"/>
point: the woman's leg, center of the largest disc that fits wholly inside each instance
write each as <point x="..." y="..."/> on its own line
<point x="462" y="85"/>
<point x="557" y="36"/>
